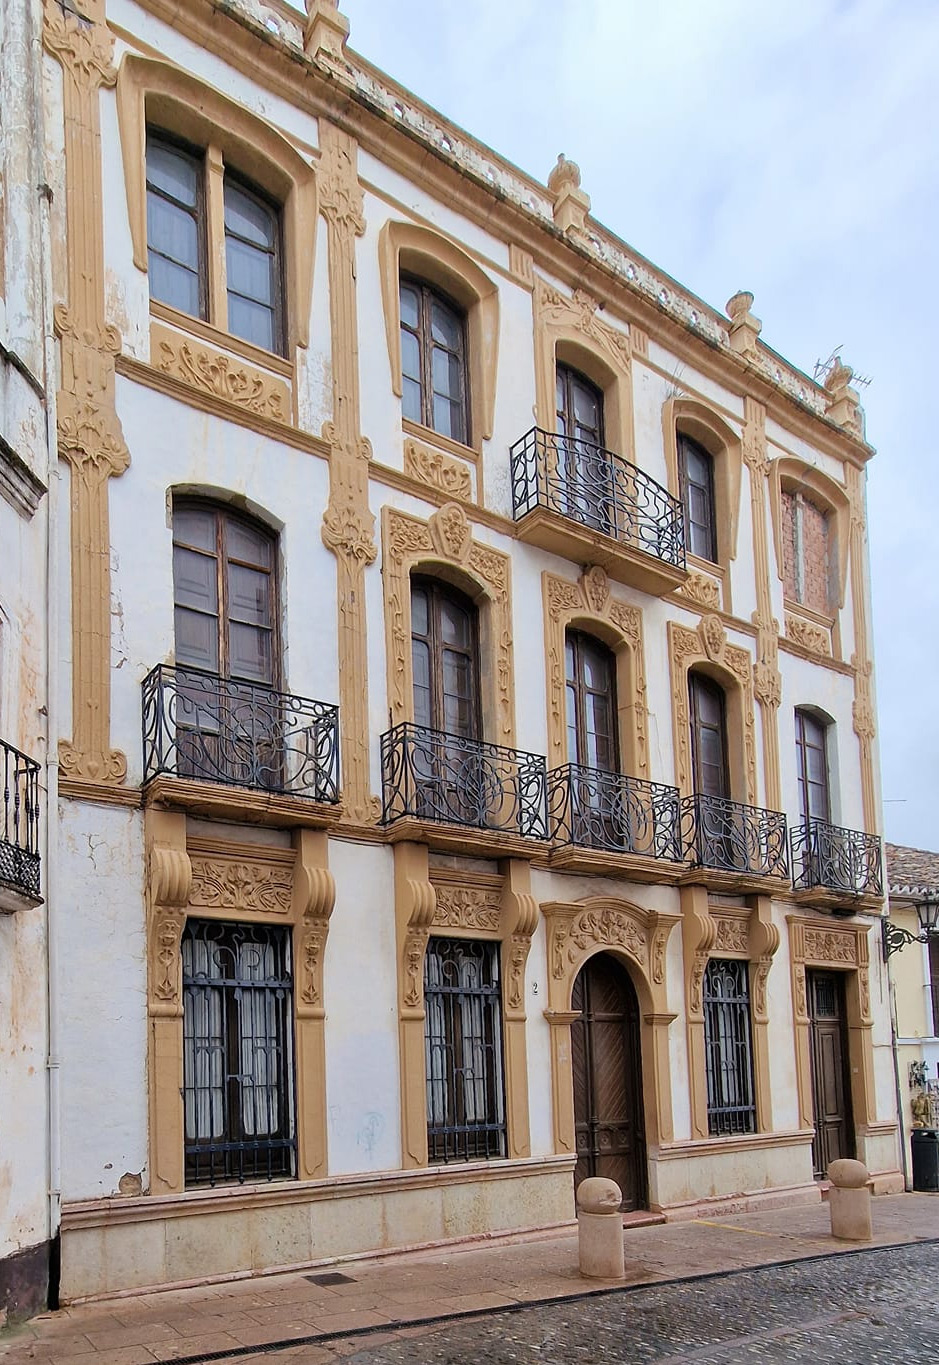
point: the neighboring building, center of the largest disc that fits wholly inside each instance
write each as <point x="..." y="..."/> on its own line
<point x="913" y="885"/>
<point x="27" y="427"/>
<point x="478" y="662"/>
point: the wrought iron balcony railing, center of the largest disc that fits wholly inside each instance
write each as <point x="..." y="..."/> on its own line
<point x="431" y="775"/>
<point x="845" y="861"/>
<point x="19" y="822"/>
<point x="591" y="808"/>
<point x="732" y="837"/>
<point x="598" y="489"/>
<point x="197" y="725"/>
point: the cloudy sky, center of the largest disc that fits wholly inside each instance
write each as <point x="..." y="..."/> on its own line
<point x="786" y="148"/>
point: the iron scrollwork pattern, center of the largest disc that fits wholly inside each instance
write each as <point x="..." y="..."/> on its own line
<point x="197" y="725"/>
<point x="733" y="837"/>
<point x="845" y="860"/>
<point x="595" y="809"/>
<point x="432" y="775"/>
<point x="598" y="489"/>
<point x="19" y="822"/>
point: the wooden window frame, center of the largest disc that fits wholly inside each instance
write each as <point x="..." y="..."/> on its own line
<point x="580" y="638"/>
<point x="698" y="679"/>
<point x="428" y="295"/>
<point x="570" y="375"/>
<point x="803" y="716"/>
<point x="684" y="443"/>
<point x="438" y="590"/>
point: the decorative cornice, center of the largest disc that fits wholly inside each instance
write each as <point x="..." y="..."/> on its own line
<point x="219" y="374"/>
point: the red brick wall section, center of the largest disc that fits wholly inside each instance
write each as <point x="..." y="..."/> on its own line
<point x="789" y="545"/>
<point x="816" y="570"/>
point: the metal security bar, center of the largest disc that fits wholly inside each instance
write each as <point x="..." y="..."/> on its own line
<point x="595" y="809"/>
<point x="197" y="725"/>
<point x="19" y="822"/>
<point x="845" y="860"/>
<point x="598" y="489"/>
<point x="728" y="1047"/>
<point x="732" y="837"/>
<point x="238" y="1065"/>
<point x="445" y="778"/>
<point x="463" y="1047"/>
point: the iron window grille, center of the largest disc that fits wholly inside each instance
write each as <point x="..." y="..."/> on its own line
<point x="728" y="1047"/>
<point x="449" y="779"/>
<point x="238" y="1053"/>
<point x="841" y="860"/>
<point x="730" y="836"/>
<point x="599" y="489"/>
<point x="463" y="1050"/>
<point x="19" y="821"/>
<point x="595" y="809"/>
<point x="198" y="725"/>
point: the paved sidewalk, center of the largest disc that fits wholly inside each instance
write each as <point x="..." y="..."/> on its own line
<point x="332" y="1312"/>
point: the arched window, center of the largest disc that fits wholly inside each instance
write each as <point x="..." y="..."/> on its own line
<point x="591" y="703"/>
<point x="445" y="659"/>
<point x="812" y="762"/>
<point x="433" y="360"/>
<point x="696" y="480"/>
<point x="708" y="736"/>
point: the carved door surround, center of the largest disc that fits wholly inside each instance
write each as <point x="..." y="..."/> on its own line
<point x="218" y="879"/>
<point x="589" y="605"/>
<point x="746" y="932"/>
<point x="639" y="939"/>
<point x="841" y="948"/>
<point x="708" y="647"/>
<point x="466" y="905"/>
<point x="444" y="547"/>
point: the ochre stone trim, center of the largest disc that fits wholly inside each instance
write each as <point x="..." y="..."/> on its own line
<point x="90" y="438"/>
<point x="444" y="545"/>
<point x="707" y="647"/>
<point x="426" y="465"/>
<point x="865" y="726"/>
<point x="589" y="605"/>
<point x="767" y="680"/>
<point x="218" y="879"/>
<point x="814" y="638"/>
<point x="639" y="939"/>
<point x="176" y="101"/>
<point x="704" y="589"/>
<point x="223" y="376"/>
<point x="568" y="329"/>
<point x="836" y="947"/>
<point x="465" y="905"/>
<point x="438" y="259"/>
<point x="703" y="423"/>
<point x="720" y="931"/>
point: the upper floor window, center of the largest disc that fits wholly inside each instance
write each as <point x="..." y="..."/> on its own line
<point x="591" y="703"/>
<point x="812" y="760"/>
<point x="445" y="659"/>
<point x="188" y="204"/>
<point x="433" y="361"/>
<point x="579" y="406"/>
<point x="806" y="551"/>
<point x="708" y="737"/>
<point x="696" y="480"/>
<point x="728" y="1047"/>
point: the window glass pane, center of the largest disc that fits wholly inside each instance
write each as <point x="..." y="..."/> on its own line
<point x="411" y="401"/>
<point x="410" y="306"/>
<point x="196" y="640"/>
<point x="420" y="620"/>
<point x="420" y="663"/>
<point x="411" y="357"/>
<point x="250" y="272"/>
<point x="446" y="374"/>
<point x="448" y="418"/>
<point x="250" y="651"/>
<point x="173" y="171"/>
<point x="457" y="674"/>
<point x="455" y="624"/>
<point x="174" y="285"/>
<point x="248" y="217"/>
<point x="194" y="526"/>
<point x="446" y="326"/>
<point x="586" y="408"/>
<point x="172" y="231"/>
<point x="251" y="321"/>
<point x="249" y="595"/>
<point x="247" y="544"/>
<point x="195" y="579"/>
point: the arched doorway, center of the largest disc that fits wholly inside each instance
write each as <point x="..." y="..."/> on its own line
<point x="607" y="1068"/>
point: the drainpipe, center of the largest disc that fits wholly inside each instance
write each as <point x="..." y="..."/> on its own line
<point x="904" y="1153"/>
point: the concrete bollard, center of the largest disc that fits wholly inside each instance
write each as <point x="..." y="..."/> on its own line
<point x="849" y="1201"/>
<point x="600" y="1229"/>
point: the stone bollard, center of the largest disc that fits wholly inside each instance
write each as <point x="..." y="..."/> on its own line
<point x="849" y="1201"/>
<point x="600" y="1229"/>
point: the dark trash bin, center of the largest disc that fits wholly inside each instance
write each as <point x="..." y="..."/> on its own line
<point x="925" y="1143"/>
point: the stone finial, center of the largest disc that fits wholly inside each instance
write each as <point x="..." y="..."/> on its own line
<point x="744" y="327"/>
<point x="571" y="204"/>
<point x="843" y="404"/>
<point x="327" y="32"/>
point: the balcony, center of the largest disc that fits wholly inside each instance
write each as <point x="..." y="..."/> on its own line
<point x="733" y="842"/>
<point x="19" y="831"/>
<point x="238" y="750"/>
<point x="446" y="789"/>
<point x="588" y="505"/>
<point x="836" y="867"/>
<point x="593" y="814"/>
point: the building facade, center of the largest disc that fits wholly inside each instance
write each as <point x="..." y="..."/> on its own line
<point x="467" y="761"/>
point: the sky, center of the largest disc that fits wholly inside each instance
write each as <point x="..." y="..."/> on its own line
<point x="789" y="149"/>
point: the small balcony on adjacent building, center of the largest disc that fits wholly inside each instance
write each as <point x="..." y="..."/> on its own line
<point x="733" y="844"/>
<point x="601" y="821"/>
<point x="238" y="750"/>
<point x="461" y="794"/>
<point x="836" y="868"/>
<point x="591" y="506"/>
<point x="19" y="831"/>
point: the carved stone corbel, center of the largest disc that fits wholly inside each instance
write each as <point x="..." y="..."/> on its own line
<point x="312" y="901"/>
<point x="415" y="904"/>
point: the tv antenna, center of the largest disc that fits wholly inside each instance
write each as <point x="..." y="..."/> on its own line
<point x="824" y="367"/>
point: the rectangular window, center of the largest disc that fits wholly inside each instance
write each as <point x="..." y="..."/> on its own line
<point x="238" y="1062"/>
<point x="728" y="1048"/>
<point x="696" y="479"/>
<point x="463" y="1047"/>
<point x="806" y="552"/>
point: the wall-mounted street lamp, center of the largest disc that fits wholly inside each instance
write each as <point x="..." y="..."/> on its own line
<point x="894" y="938"/>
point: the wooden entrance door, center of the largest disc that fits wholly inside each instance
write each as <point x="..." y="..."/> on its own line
<point x="607" y="1065"/>
<point x="831" y="1089"/>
